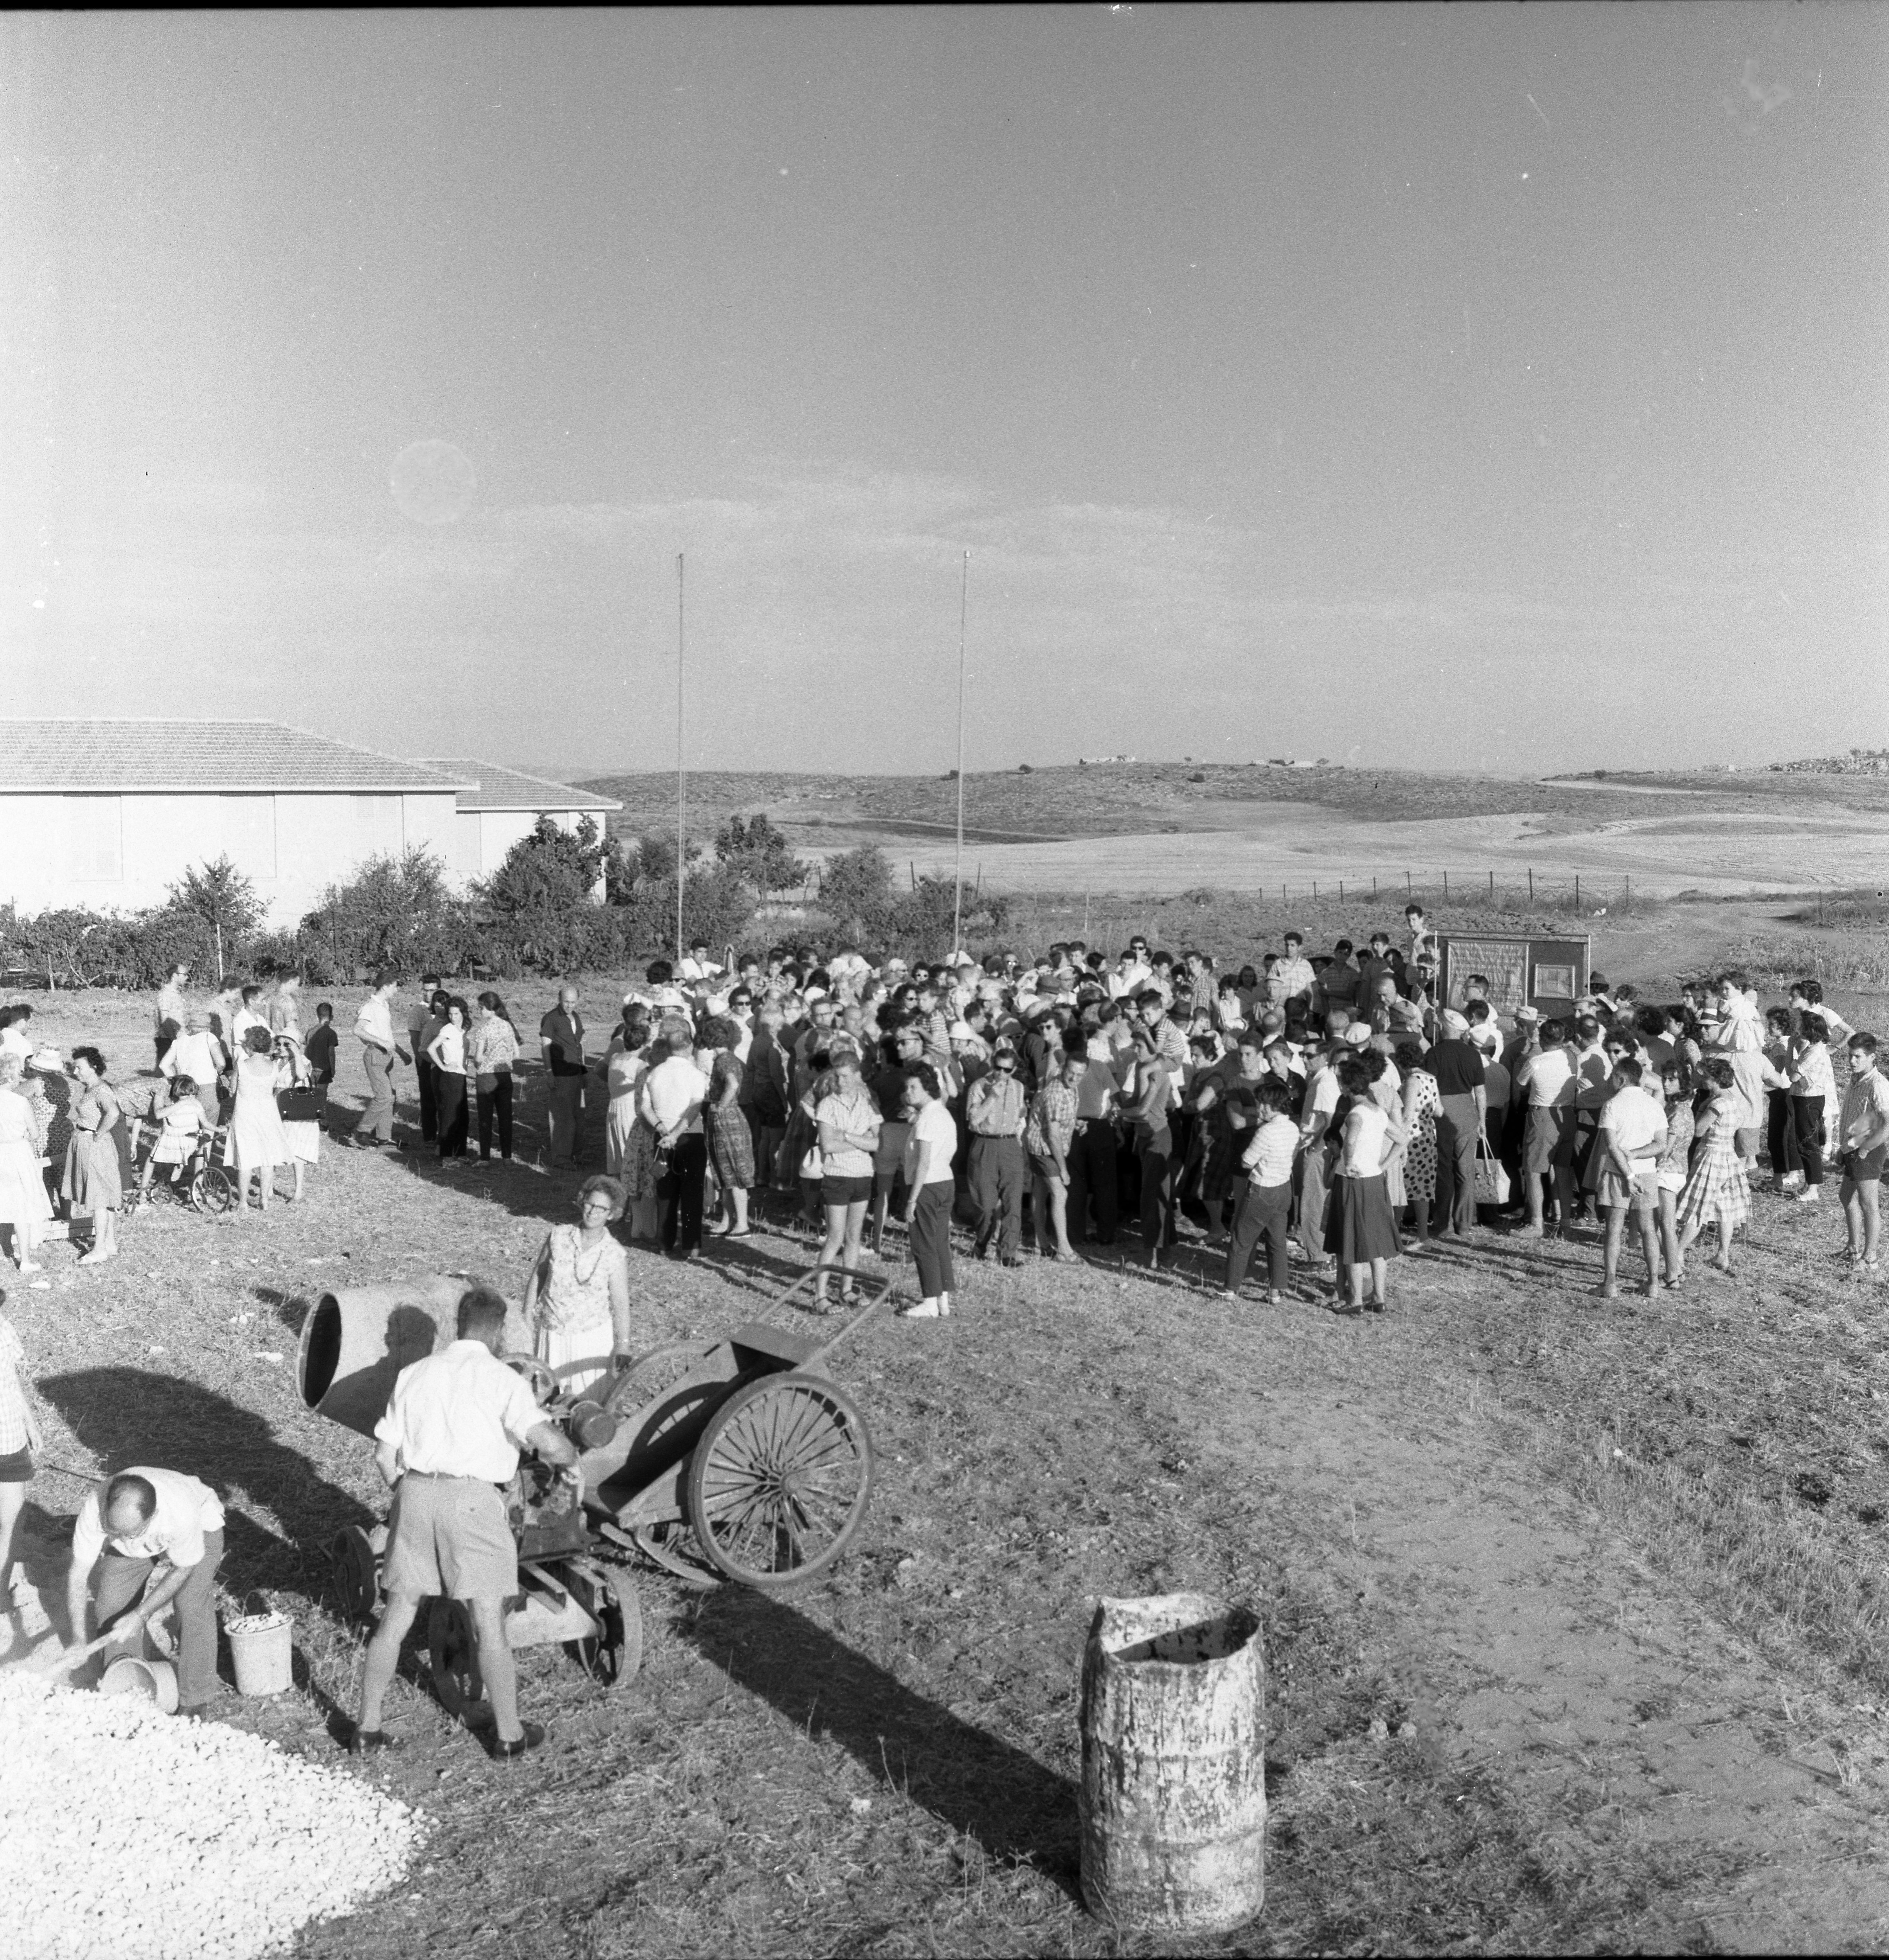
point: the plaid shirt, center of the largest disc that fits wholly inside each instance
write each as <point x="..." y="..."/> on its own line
<point x="1052" y="1115"/>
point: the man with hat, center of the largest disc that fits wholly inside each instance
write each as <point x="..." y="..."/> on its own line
<point x="1457" y="1064"/>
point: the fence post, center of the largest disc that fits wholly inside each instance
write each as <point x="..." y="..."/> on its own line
<point x="1577" y="891"/>
<point x="1446" y="885"/>
<point x="1373" y="884"/>
<point x="1627" y="903"/>
<point x="1531" y="884"/>
<point x="1315" y="888"/>
<point x="1492" y="884"/>
<point x="1406" y="884"/>
<point x="1341" y="891"/>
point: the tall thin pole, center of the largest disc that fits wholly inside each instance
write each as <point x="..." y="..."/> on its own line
<point x="957" y="900"/>
<point x="682" y="784"/>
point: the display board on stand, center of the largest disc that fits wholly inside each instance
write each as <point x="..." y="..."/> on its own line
<point x="1548" y="974"/>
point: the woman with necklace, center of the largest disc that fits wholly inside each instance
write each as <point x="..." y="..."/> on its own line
<point x="577" y="1294"/>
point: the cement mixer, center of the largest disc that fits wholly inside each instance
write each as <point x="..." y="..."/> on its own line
<point x="354" y="1345"/>
<point x="735" y="1460"/>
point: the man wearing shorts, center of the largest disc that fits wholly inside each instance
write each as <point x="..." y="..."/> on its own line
<point x="448" y="1446"/>
<point x="1863" y="1136"/>
<point x="1633" y="1132"/>
<point x="1547" y="1079"/>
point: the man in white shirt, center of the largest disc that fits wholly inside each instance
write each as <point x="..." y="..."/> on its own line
<point x="1863" y="1136"/>
<point x="157" y="1534"/>
<point x="170" y="1010"/>
<point x="197" y="1054"/>
<point x="374" y="1025"/>
<point x="1262" y="1199"/>
<point x="1546" y="1079"/>
<point x="670" y="1099"/>
<point x="447" y="1446"/>
<point x="1292" y="978"/>
<point x="1633" y="1133"/>
<point x="697" y="965"/>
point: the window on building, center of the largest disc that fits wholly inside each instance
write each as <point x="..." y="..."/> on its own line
<point x="95" y="837"/>
<point x="248" y="834"/>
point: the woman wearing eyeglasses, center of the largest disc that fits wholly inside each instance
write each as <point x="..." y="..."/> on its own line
<point x="577" y="1294"/>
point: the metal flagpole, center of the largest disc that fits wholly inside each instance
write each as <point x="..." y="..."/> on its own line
<point x="682" y="789"/>
<point x="957" y="900"/>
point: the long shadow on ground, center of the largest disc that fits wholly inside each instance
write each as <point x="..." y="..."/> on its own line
<point x="972" y="1781"/>
<point x="129" y="1415"/>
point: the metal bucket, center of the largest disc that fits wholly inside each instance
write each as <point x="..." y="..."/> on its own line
<point x="355" y="1342"/>
<point x="264" y="1656"/>
<point x="156" y="1681"/>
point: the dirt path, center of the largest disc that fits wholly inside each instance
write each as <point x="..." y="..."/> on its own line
<point x="1531" y="1646"/>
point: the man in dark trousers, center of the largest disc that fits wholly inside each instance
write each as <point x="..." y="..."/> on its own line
<point x="561" y="1041"/>
<point x="1457" y="1064"/>
<point x="1092" y="1170"/>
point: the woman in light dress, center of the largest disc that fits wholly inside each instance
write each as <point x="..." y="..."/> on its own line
<point x="257" y="1143"/>
<point x="303" y="1136"/>
<point x="94" y="1184"/>
<point x="285" y="1008"/>
<point x="577" y="1294"/>
<point x="24" y="1206"/>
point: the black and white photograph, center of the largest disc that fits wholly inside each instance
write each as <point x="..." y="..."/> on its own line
<point x="944" y="982"/>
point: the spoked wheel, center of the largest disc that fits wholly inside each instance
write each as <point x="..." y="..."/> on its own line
<point x="357" y="1573"/>
<point x="454" y="1656"/>
<point x="673" y="1545"/>
<point x="213" y="1190"/>
<point x="613" y="1656"/>
<point x="779" y="1482"/>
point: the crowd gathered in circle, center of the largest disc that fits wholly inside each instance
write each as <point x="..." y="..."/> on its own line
<point x="1329" y="1112"/>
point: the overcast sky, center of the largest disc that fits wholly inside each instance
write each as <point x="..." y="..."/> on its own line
<point x="1502" y="387"/>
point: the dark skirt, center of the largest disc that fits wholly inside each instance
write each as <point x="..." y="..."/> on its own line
<point x="16" y="1466"/>
<point x="731" y="1148"/>
<point x="1358" y="1226"/>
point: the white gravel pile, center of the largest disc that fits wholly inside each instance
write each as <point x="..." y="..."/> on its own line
<point x="128" y="1834"/>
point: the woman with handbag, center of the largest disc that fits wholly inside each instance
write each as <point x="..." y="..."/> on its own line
<point x="299" y="1104"/>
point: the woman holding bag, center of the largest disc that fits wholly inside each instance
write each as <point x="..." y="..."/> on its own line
<point x="848" y="1123"/>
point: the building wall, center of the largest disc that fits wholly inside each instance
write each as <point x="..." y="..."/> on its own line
<point x="123" y="851"/>
<point x="485" y="836"/>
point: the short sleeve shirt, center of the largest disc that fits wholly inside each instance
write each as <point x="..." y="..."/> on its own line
<point x="186" y="1510"/>
<point x="460" y="1413"/>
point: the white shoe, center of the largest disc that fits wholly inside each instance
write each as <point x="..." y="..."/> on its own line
<point x="925" y="1309"/>
<point x="1810" y="1194"/>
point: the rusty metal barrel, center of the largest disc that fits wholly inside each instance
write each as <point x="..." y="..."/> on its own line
<point x="1173" y="1799"/>
<point x="356" y="1341"/>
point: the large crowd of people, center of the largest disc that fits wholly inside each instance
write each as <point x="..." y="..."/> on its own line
<point x="1332" y="1111"/>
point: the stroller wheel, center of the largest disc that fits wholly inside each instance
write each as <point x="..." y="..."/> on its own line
<point x="214" y="1190"/>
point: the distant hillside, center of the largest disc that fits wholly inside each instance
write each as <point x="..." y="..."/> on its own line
<point x="1105" y="798"/>
<point x="1858" y="763"/>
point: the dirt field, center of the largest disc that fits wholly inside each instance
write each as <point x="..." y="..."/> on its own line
<point x="1148" y="828"/>
<point x="1620" y="1565"/>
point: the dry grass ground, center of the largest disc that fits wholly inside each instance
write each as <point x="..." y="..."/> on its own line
<point x="1620" y="1566"/>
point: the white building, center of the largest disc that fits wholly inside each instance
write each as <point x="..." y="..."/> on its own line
<point x="109" y="813"/>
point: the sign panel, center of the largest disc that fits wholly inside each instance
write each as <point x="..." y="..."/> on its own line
<point x="1502" y="962"/>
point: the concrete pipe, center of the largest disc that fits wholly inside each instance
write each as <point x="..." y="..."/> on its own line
<point x="355" y="1342"/>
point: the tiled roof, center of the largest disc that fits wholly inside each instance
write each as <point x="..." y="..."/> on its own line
<point x="199" y="756"/>
<point x="512" y="789"/>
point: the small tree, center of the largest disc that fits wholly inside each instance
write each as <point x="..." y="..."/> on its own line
<point x="856" y="891"/>
<point x="225" y="900"/>
<point x="394" y="911"/>
<point x="756" y="852"/>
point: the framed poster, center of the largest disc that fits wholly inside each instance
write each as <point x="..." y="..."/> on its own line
<point x="1557" y="982"/>
<point x="1503" y="962"/>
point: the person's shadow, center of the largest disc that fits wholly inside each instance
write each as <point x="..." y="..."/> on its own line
<point x="974" y="1781"/>
<point x="125" y="1415"/>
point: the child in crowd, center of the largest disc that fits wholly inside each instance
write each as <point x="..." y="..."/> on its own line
<point x="1717" y="1192"/>
<point x="181" y="1124"/>
<point x="320" y="1047"/>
